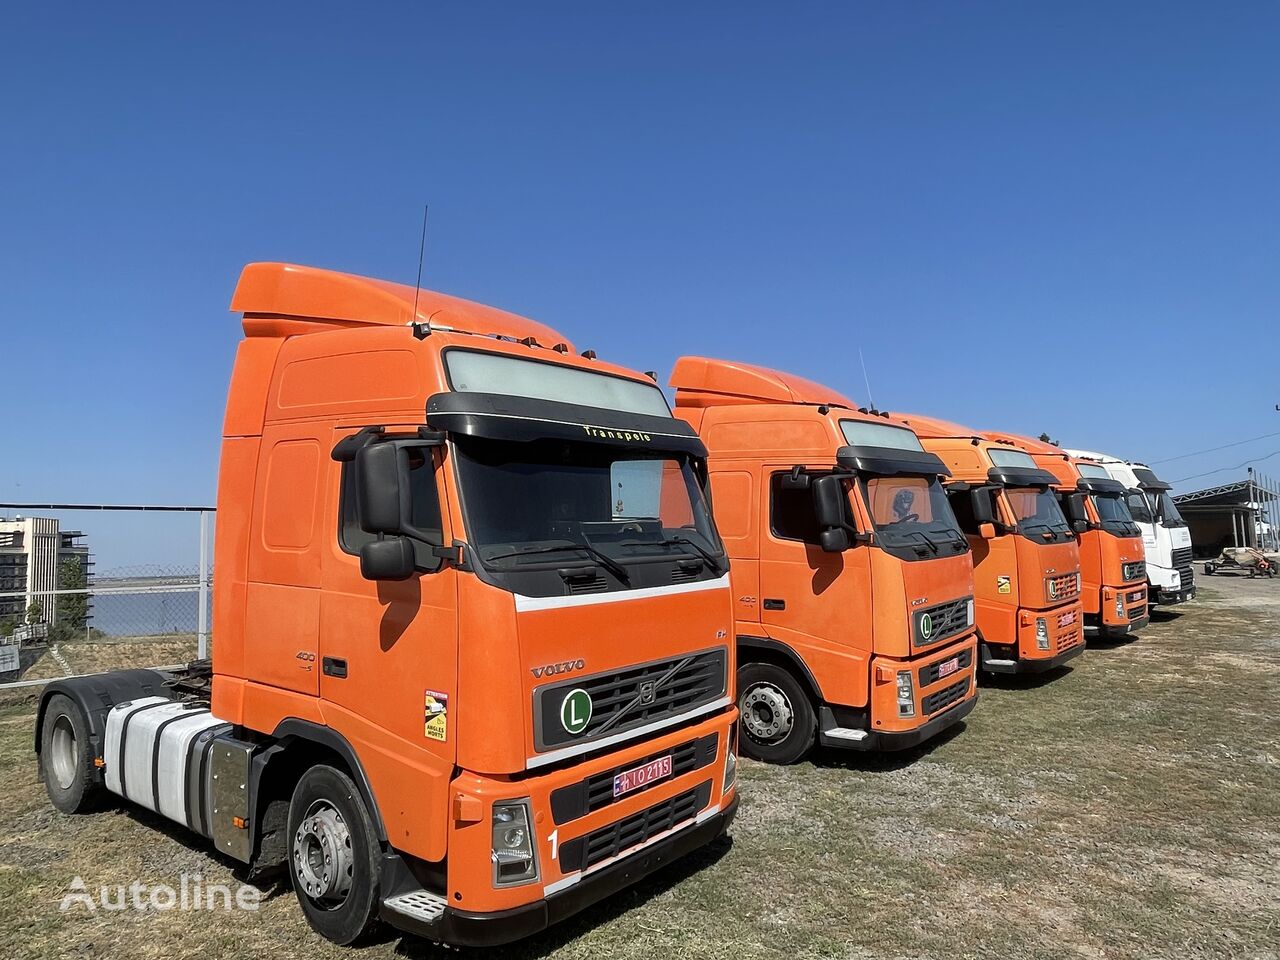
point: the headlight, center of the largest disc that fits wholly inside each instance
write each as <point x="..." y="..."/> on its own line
<point x="1042" y="633"/>
<point x="1120" y="606"/>
<point x="906" y="694"/>
<point x="1177" y="580"/>
<point x="513" y="857"/>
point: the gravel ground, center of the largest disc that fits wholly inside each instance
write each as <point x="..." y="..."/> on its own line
<point x="1126" y="807"/>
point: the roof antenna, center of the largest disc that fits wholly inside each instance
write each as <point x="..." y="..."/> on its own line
<point x="422" y="249"/>
<point x="867" y="381"/>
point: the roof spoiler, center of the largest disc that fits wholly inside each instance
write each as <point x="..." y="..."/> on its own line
<point x="1099" y="485"/>
<point x="1021" y="477"/>
<point x="1149" y="481"/>
<point x="891" y="460"/>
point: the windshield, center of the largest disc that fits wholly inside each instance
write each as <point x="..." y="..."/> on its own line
<point x="1037" y="513"/>
<point x="912" y="517"/>
<point x="1166" y="510"/>
<point x="1114" y="515"/>
<point x="550" y="503"/>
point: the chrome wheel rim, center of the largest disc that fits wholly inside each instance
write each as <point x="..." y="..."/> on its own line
<point x="322" y="857"/>
<point x="767" y="715"/>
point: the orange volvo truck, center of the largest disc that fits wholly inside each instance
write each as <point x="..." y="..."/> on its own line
<point x="1112" y="568"/>
<point x="1025" y="558"/>
<point x="852" y="582"/>
<point x="472" y="667"/>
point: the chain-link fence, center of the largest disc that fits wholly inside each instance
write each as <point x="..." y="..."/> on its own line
<point x="91" y="587"/>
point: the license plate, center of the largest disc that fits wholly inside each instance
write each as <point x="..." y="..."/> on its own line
<point x="1135" y="596"/>
<point x="641" y="776"/>
<point x="1067" y="619"/>
<point x="948" y="667"/>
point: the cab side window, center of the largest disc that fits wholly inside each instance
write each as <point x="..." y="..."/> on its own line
<point x="425" y="504"/>
<point x="791" y="514"/>
<point x="962" y="506"/>
<point x="1138" y="506"/>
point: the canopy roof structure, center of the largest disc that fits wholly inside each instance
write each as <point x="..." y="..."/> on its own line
<point x="1245" y="513"/>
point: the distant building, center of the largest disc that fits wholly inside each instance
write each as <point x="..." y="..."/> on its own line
<point x="1241" y="514"/>
<point x="32" y="552"/>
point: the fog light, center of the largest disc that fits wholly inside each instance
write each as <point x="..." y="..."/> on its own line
<point x="1042" y="633"/>
<point x="1177" y="581"/>
<point x="1120" y="607"/>
<point x="513" y="857"/>
<point x="906" y="694"/>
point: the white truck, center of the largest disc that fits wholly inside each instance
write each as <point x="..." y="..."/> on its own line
<point x="1165" y="536"/>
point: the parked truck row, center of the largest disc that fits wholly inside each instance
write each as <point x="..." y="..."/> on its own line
<point x="492" y="621"/>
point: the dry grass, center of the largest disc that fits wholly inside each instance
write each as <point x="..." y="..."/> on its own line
<point x="1127" y="808"/>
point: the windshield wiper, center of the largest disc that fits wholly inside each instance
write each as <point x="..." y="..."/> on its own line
<point x="926" y="538"/>
<point x="606" y="561"/>
<point x="712" y="560"/>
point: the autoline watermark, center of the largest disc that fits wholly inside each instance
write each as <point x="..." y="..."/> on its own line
<point x="191" y="893"/>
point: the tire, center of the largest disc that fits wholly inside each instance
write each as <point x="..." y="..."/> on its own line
<point x="778" y="723"/>
<point x="66" y="762"/>
<point x="333" y="856"/>
<point x="1208" y="569"/>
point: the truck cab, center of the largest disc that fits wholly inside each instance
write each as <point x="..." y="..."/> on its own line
<point x="1166" y="538"/>
<point x="472" y="667"/>
<point x="1112" y="565"/>
<point x="852" y="582"/>
<point x="1026" y="561"/>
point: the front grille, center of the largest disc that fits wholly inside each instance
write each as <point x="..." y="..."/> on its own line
<point x="929" y="674"/>
<point x="944" y="698"/>
<point x="1062" y="587"/>
<point x="582" y="853"/>
<point x="1134" y="571"/>
<point x="596" y="792"/>
<point x="1182" y="563"/>
<point x="1069" y="639"/>
<point x="937" y="623"/>
<point x="1138" y="612"/>
<point x="624" y="699"/>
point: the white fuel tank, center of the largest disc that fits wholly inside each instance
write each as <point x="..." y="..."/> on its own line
<point x="155" y="750"/>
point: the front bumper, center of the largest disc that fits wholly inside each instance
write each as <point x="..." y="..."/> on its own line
<point x="1133" y="599"/>
<point x="891" y="740"/>
<point x="478" y="929"/>
<point x="1169" y="598"/>
<point x="993" y="664"/>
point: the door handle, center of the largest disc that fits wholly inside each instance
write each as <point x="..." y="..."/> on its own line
<point x="335" y="667"/>
<point x="774" y="604"/>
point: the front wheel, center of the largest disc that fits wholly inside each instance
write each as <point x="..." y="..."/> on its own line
<point x="778" y="723"/>
<point x="1209" y="568"/>
<point x="333" y="855"/>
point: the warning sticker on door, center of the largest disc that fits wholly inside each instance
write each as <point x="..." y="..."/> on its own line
<point x="1002" y="585"/>
<point x="436" y="715"/>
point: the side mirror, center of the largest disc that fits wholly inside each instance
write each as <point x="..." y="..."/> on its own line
<point x="1080" y="526"/>
<point x="983" y="510"/>
<point x="1073" y="505"/>
<point x="389" y="559"/>
<point x="382" y="490"/>
<point x="831" y="508"/>
<point x="987" y="531"/>
<point x="834" y="540"/>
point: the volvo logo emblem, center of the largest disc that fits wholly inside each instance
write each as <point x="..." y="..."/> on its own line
<point x="648" y="692"/>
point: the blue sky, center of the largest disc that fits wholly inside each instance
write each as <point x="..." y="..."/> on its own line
<point x="1028" y="216"/>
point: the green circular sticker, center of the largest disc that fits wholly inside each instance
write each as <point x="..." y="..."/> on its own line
<point x="575" y="710"/>
<point x="926" y="626"/>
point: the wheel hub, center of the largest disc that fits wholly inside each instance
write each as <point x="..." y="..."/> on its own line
<point x="767" y="714"/>
<point x="322" y="854"/>
<point x="64" y="752"/>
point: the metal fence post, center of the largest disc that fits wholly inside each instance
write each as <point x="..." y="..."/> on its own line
<point x="202" y="641"/>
